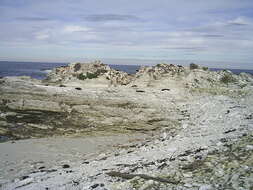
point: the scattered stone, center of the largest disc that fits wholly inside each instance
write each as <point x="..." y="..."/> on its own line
<point x="65" y="166"/>
<point x="249" y="116"/>
<point x="144" y="176"/>
<point x="24" y="177"/>
<point x="140" y="91"/>
<point x="94" y="186"/>
<point x="206" y="187"/>
<point x="78" y="88"/>
<point x="229" y="131"/>
<point x="75" y="183"/>
<point x="223" y="140"/>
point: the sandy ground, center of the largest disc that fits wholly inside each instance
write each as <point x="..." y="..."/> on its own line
<point x="20" y="157"/>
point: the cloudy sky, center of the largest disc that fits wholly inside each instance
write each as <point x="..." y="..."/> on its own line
<point x="67" y="30"/>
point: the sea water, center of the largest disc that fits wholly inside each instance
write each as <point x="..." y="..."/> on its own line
<point x="39" y="70"/>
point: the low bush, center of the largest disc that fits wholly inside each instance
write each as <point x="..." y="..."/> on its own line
<point x="81" y="76"/>
<point x="88" y="75"/>
<point x="193" y="66"/>
<point x="205" y="68"/>
<point x="92" y="75"/>
<point x="227" y="78"/>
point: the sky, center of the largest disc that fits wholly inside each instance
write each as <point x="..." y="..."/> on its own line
<point x="219" y="31"/>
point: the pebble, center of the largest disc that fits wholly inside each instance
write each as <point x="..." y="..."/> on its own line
<point x="187" y="175"/>
<point x="206" y="187"/>
<point x="249" y="147"/>
<point x="97" y="185"/>
<point x="188" y="185"/>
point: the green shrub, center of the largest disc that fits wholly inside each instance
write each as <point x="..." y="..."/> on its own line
<point x="205" y="68"/>
<point x="92" y="75"/>
<point x="193" y="66"/>
<point x="227" y="78"/>
<point x="88" y="75"/>
<point x="81" y="76"/>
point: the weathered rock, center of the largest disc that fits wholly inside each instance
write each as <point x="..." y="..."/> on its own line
<point x="86" y="71"/>
<point x="83" y="98"/>
<point x="203" y="145"/>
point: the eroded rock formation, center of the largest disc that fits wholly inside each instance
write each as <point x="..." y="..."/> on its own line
<point x="199" y="124"/>
<point x="84" y="98"/>
<point x="88" y="71"/>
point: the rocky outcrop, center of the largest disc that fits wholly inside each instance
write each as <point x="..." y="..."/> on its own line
<point x="87" y="71"/>
<point x="199" y="124"/>
<point x="87" y="98"/>
<point x="156" y="72"/>
<point x="153" y="76"/>
<point x="36" y="110"/>
<point x="178" y="77"/>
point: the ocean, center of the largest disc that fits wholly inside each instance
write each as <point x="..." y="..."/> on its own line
<point x="39" y="70"/>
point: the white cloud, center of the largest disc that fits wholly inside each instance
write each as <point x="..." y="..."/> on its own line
<point x="75" y="28"/>
<point x="239" y="21"/>
<point x="42" y="35"/>
<point x="212" y="27"/>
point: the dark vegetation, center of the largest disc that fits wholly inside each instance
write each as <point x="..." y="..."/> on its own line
<point x="193" y="66"/>
<point x="82" y="76"/>
<point x="228" y="78"/>
<point x="88" y="75"/>
<point x="77" y="67"/>
<point x="205" y="68"/>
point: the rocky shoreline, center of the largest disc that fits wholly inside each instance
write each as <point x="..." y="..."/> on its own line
<point x="198" y="125"/>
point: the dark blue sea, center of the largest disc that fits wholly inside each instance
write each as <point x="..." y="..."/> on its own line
<point x="39" y="70"/>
